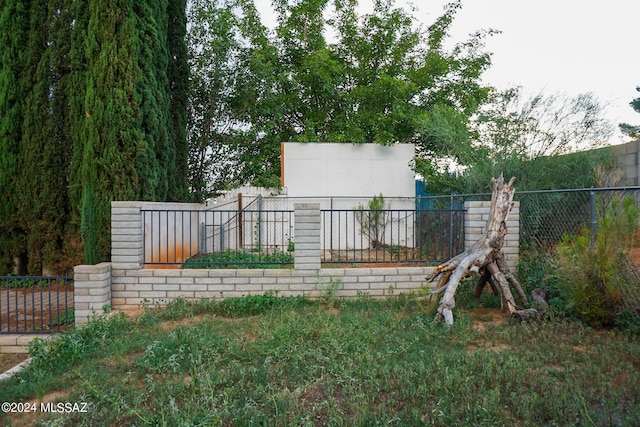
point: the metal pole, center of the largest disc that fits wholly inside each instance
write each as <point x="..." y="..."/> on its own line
<point x="594" y="220"/>
<point x="451" y="228"/>
<point x="240" y="236"/>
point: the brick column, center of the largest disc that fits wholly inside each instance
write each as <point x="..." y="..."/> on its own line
<point x="307" y="236"/>
<point x="92" y="290"/>
<point x="475" y="225"/>
<point x="127" y="236"/>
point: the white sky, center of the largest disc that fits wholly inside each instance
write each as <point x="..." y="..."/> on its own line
<point x="570" y="46"/>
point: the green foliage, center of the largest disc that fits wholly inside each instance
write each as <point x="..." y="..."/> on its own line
<point x="591" y="278"/>
<point x="380" y="79"/>
<point x="240" y="259"/>
<point x="14" y="30"/>
<point x="178" y="80"/>
<point x="23" y="282"/>
<point x="631" y="130"/>
<point x="546" y="141"/>
<point x="89" y="228"/>
<point x="86" y="118"/>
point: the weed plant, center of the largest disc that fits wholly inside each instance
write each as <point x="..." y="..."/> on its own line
<point x="264" y="360"/>
<point x="592" y="280"/>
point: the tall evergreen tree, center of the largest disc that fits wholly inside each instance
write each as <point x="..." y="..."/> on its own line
<point x="153" y="94"/>
<point x="113" y="140"/>
<point x="129" y="152"/>
<point x="46" y="143"/>
<point x="14" y="29"/>
<point x="178" y="74"/>
<point x="77" y="118"/>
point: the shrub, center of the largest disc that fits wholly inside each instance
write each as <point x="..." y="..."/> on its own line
<point x="591" y="268"/>
<point x="240" y="259"/>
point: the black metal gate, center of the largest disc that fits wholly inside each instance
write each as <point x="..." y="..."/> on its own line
<point x="36" y="304"/>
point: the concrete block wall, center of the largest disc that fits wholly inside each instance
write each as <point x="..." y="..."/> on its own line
<point x="92" y="290"/>
<point x="18" y="343"/>
<point x="475" y="224"/>
<point x="306" y="232"/>
<point x="156" y="287"/>
<point x="132" y="285"/>
<point x="629" y="162"/>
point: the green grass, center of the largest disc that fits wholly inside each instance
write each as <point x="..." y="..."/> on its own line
<point x="263" y="360"/>
<point x="241" y="259"/>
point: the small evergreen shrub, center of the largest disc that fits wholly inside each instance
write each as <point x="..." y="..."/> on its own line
<point x="591" y="268"/>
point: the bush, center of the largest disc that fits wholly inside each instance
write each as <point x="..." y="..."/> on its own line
<point x="240" y="259"/>
<point x="592" y="268"/>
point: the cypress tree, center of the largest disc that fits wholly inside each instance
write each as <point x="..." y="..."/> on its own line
<point x="153" y="93"/>
<point x="179" y="93"/>
<point x="14" y="28"/>
<point x="46" y="143"/>
<point x="77" y="120"/>
<point x="113" y="141"/>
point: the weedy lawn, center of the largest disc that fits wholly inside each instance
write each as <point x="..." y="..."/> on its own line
<point x="264" y="360"/>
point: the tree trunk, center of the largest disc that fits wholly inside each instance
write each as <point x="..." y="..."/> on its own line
<point x="485" y="257"/>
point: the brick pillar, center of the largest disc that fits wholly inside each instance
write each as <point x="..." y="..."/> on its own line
<point x="475" y="225"/>
<point x="127" y="236"/>
<point x="92" y="290"/>
<point x="307" y="236"/>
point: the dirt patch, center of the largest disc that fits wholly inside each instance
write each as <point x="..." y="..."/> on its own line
<point x="390" y="255"/>
<point x="9" y="360"/>
<point x="169" y="325"/>
<point x="481" y="319"/>
<point x="634" y="257"/>
<point x="132" y="313"/>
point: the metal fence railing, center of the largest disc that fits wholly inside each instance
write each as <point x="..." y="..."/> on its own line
<point x="410" y="230"/>
<point x="391" y="236"/>
<point x="217" y="238"/>
<point x="546" y="216"/>
<point x="261" y="238"/>
<point x="36" y="304"/>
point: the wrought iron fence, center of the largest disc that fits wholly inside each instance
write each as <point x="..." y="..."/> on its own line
<point x="36" y="304"/>
<point x="217" y="238"/>
<point x="410" y="230"/>
<point x="260" y="235"/>
<point x="391" y="235"/>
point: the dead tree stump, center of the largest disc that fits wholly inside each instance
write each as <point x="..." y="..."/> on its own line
<point x="484" y="257"/>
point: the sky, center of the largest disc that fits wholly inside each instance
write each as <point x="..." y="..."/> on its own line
<point x="550" y="46"/>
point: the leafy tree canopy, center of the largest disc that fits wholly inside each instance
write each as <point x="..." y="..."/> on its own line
<point x="527" y="137"/>
<point x="326" y="73"/>
<point x="631" y="130"/>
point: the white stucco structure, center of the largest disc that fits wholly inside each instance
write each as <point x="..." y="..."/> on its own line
<point x="333" y="169"/>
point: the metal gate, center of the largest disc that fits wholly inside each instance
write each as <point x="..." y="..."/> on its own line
<point x="36" y="304"/>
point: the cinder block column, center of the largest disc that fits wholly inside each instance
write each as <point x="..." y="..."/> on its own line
<point x="475" y="225"/>
<point x="127" y="236"/>
<point x="92" y="290"/>
<point x="307" y="236"/>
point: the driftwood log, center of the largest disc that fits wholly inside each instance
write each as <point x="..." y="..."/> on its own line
<point x="484" y="258"/>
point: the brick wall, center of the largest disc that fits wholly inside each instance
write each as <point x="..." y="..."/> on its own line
<point x="628" y="156"/>
<point x="92" y="290"/>
<point x="133" y="285"/>
<point x="475" y="222"/>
